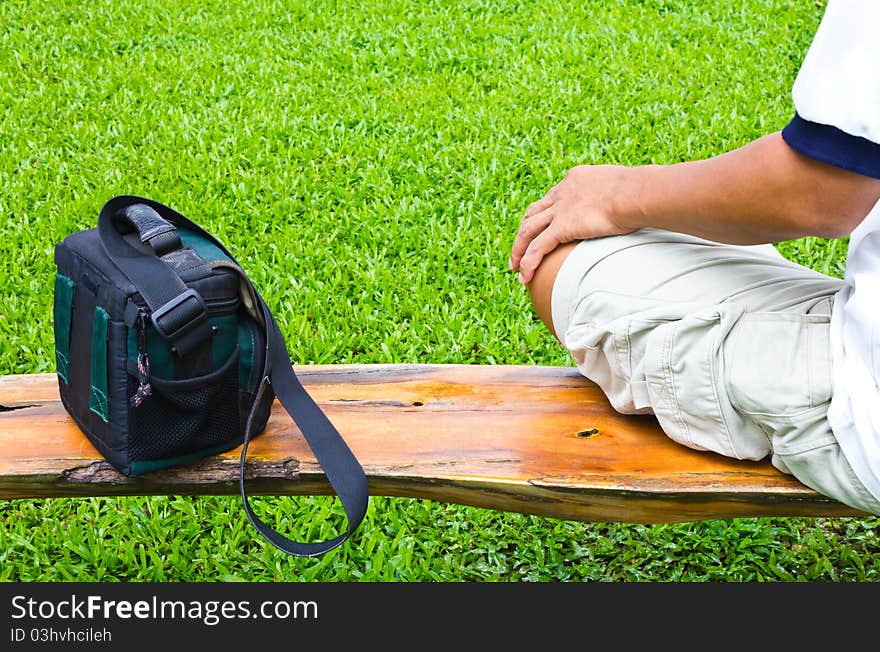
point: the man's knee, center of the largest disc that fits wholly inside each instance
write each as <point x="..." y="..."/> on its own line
<point x="541" y="286"/>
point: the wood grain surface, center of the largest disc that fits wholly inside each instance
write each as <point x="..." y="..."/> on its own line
<point x="531" y="439"/>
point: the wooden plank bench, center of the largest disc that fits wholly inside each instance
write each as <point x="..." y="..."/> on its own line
<point x="531" y="439"/>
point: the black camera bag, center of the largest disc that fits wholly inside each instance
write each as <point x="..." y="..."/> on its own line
<point x="166" y="353"/>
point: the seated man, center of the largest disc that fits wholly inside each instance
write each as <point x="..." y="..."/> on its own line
<point x="662" y="283"/>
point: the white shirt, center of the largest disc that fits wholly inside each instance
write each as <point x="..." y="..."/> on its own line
<point x="837" y="99"/>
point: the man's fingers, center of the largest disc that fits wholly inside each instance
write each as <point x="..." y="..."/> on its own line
<point x="539" y="247"/>
<point x="538" y="206"/>
<point x="529" y="228"/>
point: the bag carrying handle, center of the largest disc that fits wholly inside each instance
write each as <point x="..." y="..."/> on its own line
<point x="154" y="230"/>
<point x="149" y="273"/>
<point x="178" y="312"/>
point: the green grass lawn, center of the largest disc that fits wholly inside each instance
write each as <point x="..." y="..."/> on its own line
<point x="368" y="163"/>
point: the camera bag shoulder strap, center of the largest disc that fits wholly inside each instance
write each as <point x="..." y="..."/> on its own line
<point x="162" y="288"/>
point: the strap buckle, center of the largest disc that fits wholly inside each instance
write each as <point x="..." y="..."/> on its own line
<point x="184" y="313"/>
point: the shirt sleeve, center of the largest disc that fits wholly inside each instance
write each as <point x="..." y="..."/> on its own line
<point x="837" y="91"/>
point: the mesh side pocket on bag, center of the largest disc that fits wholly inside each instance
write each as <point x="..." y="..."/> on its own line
<point x="180" y="417"/>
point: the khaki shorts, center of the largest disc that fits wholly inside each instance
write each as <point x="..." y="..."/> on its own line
<point x="728" y="346"/>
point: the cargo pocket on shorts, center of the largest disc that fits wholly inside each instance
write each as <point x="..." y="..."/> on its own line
<point x="779" y="374"/>
<point x="685" y="371"/>
<point x="779" y="364"/>
<point x="607" y="339"/>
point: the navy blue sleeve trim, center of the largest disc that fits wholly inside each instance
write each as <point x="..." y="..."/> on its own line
<point x="833" y="146"/>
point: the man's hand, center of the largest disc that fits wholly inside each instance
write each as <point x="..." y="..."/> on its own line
<point x="762" y="192"/>
<point x="588" y="203"/>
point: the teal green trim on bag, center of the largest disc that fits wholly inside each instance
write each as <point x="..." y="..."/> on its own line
<point x="223" y="345"/>
<point x="161" y="363"/>
<point x="224" y="340"/>
<point x="138" y="468"/>
<point x="245" y="356"/>
<point x="202" y="246"/>
<point x="159" y="352"/>
<point x="62" y="311"/>
<point x="98" y="401"/>
<point x="131" y="345"/>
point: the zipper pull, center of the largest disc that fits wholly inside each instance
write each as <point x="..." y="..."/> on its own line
<point x="143" y="362"/>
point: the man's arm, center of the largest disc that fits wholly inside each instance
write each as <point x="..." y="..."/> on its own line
<point x="762" y="192"/>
